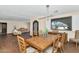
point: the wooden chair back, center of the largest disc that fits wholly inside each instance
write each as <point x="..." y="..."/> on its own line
<point x="59" y="43"/>
<point x="22" y="44"/>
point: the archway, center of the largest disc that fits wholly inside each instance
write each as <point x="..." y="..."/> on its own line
<point x="35" y="28"/>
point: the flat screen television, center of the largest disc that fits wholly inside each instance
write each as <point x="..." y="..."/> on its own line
<point x="64" y="23"/>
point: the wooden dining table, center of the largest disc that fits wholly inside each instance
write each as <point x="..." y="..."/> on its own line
<point x="41" y="43"/>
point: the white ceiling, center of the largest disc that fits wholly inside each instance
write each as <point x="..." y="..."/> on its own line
<point x="24" y="12"/>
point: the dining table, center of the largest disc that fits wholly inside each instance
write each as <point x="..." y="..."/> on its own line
<point x="41" y="43"/>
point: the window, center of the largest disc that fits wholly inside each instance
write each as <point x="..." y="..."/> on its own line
<point x="61" y="23"/>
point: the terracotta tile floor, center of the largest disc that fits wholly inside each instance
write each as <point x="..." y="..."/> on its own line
<point x="8" y="44"/>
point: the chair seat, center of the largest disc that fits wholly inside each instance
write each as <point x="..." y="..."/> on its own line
<point x="31" y="50"/>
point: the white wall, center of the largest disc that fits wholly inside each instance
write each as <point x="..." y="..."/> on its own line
<point x="12" y="23"/>
<point x="75" y="22"/>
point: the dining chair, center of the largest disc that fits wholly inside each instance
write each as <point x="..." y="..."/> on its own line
<point x="76" y="39"/>
<point x="59" y="44"/>
<point x="24" y="47"/>
<point x="41" y="33"/>
<point x="22" y="44"/>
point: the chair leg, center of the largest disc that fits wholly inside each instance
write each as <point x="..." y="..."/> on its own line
<point x="55" y="51"/>
<point x="62" y="49"/>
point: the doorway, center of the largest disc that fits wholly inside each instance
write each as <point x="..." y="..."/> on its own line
<point x="3" y="28"/>
<point x="35" y="28"/>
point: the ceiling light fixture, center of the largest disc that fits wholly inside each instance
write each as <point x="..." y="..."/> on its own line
<point x="47" y="6"/>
